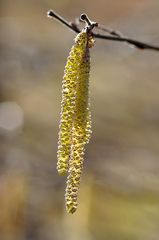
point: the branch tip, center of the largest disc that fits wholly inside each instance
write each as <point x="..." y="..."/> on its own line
<point x="84" y="17"/>
<point x="50" y="14"/>
<point x="90" y="24"/>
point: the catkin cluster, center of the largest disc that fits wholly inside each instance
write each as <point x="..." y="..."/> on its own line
<point x="75" y="122"/>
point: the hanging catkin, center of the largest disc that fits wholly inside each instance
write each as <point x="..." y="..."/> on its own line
<point x="75" y="123"/>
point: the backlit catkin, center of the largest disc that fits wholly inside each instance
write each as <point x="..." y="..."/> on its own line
<point x="75" y="123"/>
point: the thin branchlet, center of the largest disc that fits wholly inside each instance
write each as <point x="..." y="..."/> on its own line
<point x="113" y="36"/>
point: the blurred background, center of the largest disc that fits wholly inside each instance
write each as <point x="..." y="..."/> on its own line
<point x="119" y="194"/>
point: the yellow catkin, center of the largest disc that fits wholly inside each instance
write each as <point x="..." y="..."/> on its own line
<point x="81" y="128"/>
<point x="69" y="86"/>
<point x="75" y="122"/>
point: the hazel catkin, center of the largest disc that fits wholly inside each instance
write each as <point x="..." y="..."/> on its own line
<point x="75" y="122"/>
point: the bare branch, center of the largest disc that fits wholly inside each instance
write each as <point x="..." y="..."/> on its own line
<point x="138" y="44"/>
<point x="113" y="35"/>
<point x="52" y="14"/>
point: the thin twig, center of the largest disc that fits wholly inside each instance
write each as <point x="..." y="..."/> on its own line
<point x="114" y="35"/>
<point x="52" y="14"/>
<point x="138" y="44"/>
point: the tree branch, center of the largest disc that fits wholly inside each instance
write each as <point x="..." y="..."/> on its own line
<point x="114" y="35"/>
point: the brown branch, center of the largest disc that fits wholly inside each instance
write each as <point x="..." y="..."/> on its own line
<point x="113" y="35"/>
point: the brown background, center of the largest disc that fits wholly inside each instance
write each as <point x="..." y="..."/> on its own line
<point x="119" y="195"/>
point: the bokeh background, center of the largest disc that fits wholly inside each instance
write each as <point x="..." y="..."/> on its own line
<point x="119" y="194"/>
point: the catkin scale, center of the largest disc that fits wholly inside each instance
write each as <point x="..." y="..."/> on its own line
<point x="75" y="124"/>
